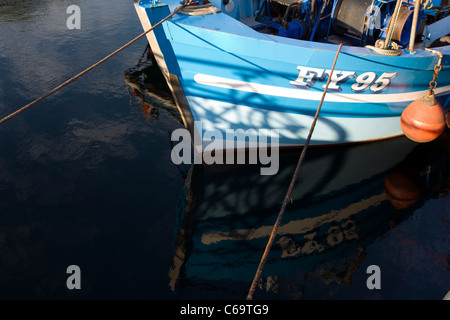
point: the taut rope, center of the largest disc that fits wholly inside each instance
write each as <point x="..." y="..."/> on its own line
<point x="19" y="111"/>
<point x="291" y="187"/>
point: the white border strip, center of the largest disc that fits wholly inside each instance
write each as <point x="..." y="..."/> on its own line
<point x="310" y="95"/>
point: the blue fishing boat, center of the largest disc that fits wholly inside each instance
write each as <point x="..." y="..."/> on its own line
<point x="264" y="64"/>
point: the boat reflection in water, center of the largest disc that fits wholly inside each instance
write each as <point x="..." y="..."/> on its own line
<point x="146" y="82"/>
<point x="344" y="199"/>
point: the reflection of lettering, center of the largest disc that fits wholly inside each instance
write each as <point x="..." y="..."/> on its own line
<point x="311" y="245"/>
<point x="307" y="77"/>
<point x="288" y="247"/>
<point x="299" y="227"/>
<point x="349" y="229"/>
<point x="335" y="235"/>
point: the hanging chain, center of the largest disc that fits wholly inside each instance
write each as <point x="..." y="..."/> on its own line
<point x="433" y="82"/>
<point x="437" y="68"/>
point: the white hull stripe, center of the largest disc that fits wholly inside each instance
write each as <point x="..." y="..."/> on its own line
<point x="310" y="95"/>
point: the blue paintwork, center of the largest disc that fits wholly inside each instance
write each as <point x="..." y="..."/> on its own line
<point x="219" y="45"/>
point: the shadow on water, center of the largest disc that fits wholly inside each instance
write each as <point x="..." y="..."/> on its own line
<point x="346" y="199"/>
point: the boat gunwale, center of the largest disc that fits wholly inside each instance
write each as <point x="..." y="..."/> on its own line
<point x="209" y="22"/>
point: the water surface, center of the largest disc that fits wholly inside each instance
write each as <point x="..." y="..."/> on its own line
<point x="86" y="179"/>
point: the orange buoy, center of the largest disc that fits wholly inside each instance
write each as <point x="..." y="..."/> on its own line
<point x="448" y="120"/>
<point x="402" y="187"/>
<point x="423" y="120"/>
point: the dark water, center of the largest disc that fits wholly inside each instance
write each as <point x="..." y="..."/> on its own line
<point x="86" y="179"/>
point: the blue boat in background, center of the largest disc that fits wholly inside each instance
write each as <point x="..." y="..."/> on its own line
<point x="263" y="64"/>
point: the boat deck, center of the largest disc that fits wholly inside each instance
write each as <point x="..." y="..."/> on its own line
<point x="346" y="40"/>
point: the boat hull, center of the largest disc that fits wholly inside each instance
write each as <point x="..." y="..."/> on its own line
<point x="230" y="77"/>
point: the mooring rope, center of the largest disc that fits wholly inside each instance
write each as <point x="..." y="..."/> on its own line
<point x="291" y="187"/>
<point x="200" y="10"/>
<point x="19" y="111"/>
<point x="391" y="25"/>
<point x="387" y="47"/>
<point x="395" y="51"/>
